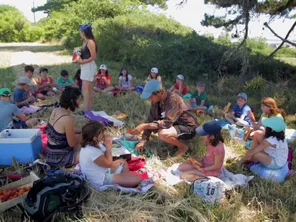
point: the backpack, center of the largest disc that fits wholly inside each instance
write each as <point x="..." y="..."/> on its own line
<point x="210" y="189"/>
<point x="55" y="193"/>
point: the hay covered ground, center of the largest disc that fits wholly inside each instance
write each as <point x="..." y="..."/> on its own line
<point x="261" y="201"/>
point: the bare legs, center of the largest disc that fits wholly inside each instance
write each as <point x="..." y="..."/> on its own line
<point x="88" y="96"/>
<point x="170" y="136"/>
<point x="125" y="179"/>
<point x="31" y="122"/>
<point x="189" y="172"/>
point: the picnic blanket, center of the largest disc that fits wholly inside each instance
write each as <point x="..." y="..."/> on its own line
<point x="231" y="180"/>
<point x="29" y="109"/>
<point x="102" y="116"/>
<point x="234" y="180"/>
<point x="143" y="187"/>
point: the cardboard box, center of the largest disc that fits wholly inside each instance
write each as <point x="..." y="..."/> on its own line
<point x="26" y="181"/>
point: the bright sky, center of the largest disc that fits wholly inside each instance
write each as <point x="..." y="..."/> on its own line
<point x="191" y="14"/>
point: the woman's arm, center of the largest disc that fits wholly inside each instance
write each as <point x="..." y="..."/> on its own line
<point x="91" y="45"/>
<point x="70" y="131"/>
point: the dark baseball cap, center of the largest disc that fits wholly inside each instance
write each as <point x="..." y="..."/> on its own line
<point x="210" y="127"/>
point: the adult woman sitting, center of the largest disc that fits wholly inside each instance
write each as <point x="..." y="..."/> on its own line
<point x="63" y="145"/>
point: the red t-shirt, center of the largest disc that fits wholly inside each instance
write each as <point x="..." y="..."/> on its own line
<point x="100" y="81"/>
<point x="41" y="82"/>
<point x="184" y="90"/>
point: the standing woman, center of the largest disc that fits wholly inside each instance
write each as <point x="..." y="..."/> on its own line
<point x="87" y="64"/>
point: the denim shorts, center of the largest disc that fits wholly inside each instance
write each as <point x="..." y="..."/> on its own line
<point x="109" y="175"/>
<point x="101" y="87"/>
<point x="273" y="165"/>
<point x="109" y="179"/>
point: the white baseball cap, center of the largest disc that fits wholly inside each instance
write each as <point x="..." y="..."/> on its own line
<point x="181" y="77"/>
<point x="154" y="69"/>
<point x="103" y="66"/>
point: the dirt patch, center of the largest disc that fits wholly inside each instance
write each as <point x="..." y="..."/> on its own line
<point x="17" y="55"/>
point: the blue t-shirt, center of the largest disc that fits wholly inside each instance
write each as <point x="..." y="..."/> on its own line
<point x="8" y="110"/>
<point x="20" y="95"/>
<point x="238" y="112"/>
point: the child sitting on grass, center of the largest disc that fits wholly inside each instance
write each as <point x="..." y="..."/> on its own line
<point x="180" y="87"/>
<point x="10" y="110"/>
<point x="240" y="114"/>
<point x="125" y="82"/>
<point x="272" y="152"/>
<point x="77" y="79"/>
<point x="269" y="108"/>
<point x="29" y="72"/>
<point x="46" y="83"/>
<point x="64" y="79"/>
<point x="154" y="75"/>
<point x="200" y="97"/>
<point x="103" y="79"/>
<point x="96" y="159"/>
<point x="212" y="162"/>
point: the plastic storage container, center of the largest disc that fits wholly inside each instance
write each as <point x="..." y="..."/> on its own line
<point x="22" y="144"/>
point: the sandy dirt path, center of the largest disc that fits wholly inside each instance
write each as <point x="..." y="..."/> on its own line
<point x="17" y="55"/>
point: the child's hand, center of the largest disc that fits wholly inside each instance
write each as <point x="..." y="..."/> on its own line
<point x="108" y="141"/>
<point x="194" y="163"/>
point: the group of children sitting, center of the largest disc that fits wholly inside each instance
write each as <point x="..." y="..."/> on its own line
<point x="269" y="146"/>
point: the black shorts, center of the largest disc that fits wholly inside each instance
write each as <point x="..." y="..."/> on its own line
<point x="185" y="132"/>
<point x="44" y="92"/>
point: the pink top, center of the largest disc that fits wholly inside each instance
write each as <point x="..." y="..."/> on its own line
<point x="209" y="158"/>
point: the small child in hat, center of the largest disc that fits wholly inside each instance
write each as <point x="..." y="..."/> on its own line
<point x="240" y="114"/>
<point x="212" y="163"/>
<point x="179" y="87"/>
<point x="9" y="111"/>
<point x="273" y="151"/>
<point x="200" y="97"/>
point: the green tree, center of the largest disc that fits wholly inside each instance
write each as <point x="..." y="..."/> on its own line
<point x="54" y="5"/>
<point x="240" y="12"/>
<point x="14" y="26"/>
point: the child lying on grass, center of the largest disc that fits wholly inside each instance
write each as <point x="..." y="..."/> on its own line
<point x="96" y="159"/>
<point x="212" y="162"/>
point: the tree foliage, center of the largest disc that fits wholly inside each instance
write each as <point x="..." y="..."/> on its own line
<point x="14" y="27"/>
<point x="239" y="12"/>
<point x="54" y="5"/>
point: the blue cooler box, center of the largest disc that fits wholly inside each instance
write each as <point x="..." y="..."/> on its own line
<point x="22" y="144"/>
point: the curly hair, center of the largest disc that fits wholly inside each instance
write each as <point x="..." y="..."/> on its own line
<point x="69" y="98"/>
<point x="91" y="130"/>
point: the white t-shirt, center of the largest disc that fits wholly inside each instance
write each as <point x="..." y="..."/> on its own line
<point x="279" y="152"/>
<point x="123" y="81"/>
<point x="94" y="173"/>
